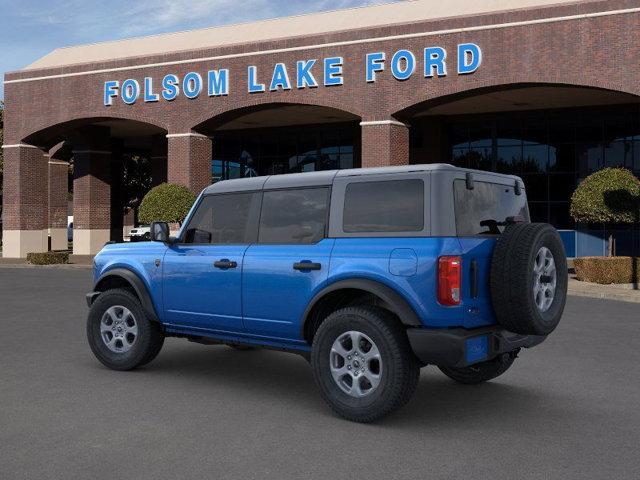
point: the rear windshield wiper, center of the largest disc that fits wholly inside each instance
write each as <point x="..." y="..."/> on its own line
<point x="494" y="224"/>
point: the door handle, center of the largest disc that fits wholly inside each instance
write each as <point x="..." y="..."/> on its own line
<point x="224" y="264"/>
<point x="307" y="265"/>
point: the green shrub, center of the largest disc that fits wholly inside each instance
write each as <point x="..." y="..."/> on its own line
<point x="48" y="258"/>
<point x="167" y="203"/>
<point x="606" y="270"/>
<point x="611" y="195"/>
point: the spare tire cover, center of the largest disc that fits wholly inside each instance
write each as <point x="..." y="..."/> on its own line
<point x="528" y="278"/>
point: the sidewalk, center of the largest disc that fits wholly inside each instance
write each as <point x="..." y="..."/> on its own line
<point x="622" y="292"/>
<point x="75" y="261"/>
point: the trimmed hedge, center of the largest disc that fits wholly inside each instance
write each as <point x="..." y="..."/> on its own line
<point x="606" y="270"/>
<point x="166" y="203"/>
<point x="611" y="195"/>
<point x="48" y="258"/>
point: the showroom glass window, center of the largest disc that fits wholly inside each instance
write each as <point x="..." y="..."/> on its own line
<point x="249" y="153"/>
<point x="551" y="150"/>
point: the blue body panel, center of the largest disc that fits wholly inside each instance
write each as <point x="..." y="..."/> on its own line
<point x="264" y="298"/>
<point x="385" y="259"/>
<point x="199" y="295"/>
<point x="138" y="257"/>
<point x="274" y="295"/>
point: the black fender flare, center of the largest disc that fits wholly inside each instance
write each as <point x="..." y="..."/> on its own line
<point x="138" y="286"/>
<point x="396" y="302"/>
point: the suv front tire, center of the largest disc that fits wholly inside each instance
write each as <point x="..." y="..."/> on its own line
<point x="363" y="364"/>
<point x="120" y="333"/>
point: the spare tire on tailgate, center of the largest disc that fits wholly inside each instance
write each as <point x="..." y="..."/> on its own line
<point x="529" y="278"/>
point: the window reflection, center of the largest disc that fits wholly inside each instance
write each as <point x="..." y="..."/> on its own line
<point x="550" y="150"/>
<point x="250" y="153"/>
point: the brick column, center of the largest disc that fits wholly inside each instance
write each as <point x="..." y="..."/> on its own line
<point x="58" y="191"/>
<point x="384" y="143"/>
<point x="189" y="160"/>
<point x="25" y="211"/>
<point x="91" y="200"/>
<point x="158" y="160"/>
<point x="91" y="189"/>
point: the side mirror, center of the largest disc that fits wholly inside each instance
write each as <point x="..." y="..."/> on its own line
<point x="160" y="232"/>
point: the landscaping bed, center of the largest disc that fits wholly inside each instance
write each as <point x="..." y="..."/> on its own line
<point x="607" y="270"/>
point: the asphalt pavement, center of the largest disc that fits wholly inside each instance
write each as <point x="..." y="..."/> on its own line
<point x="567" y="409"/>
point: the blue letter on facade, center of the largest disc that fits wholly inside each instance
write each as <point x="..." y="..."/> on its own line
<point x="333" y="71"/>
<point x="192" y="84"/>
<point x="130" y="91"/>
<point x="149" y="96"/>
<point x="253" y="86"/>
<point x="434" y="58"/>
<point x="218" y="82"/>
<point x="280" y="78"/>
<point x="375" y="63"/>
<point x="469" y="58"/>
<point x="400" y="71"/>
<point x="170" y="87"/>
<point x="304" y="77"/>
<point x="110" y="92"/>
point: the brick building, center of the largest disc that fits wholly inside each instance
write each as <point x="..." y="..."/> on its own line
<point x="546" y="89"/>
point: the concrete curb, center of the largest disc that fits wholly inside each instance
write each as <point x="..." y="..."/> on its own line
<point x="623" y="293"/>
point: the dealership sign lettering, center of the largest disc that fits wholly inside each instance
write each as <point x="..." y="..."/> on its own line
<point x="309" y="73"/>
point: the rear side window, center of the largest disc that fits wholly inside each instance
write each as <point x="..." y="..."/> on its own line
<point x="225" y="219"/>
<point x="489" y="203"/>
<point x="294" y="216"/>
<point x="386" y="206"/>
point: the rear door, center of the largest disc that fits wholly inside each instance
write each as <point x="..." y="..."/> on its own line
<point x="289" y="262"/>
<point x="202" y="272"/>
<point x="480" y="215"/>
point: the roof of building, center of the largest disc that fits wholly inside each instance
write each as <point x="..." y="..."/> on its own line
<point x="326" y="177"/>
<point x="285" y="27"/>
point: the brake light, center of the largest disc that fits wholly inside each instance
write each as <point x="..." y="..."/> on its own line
<point x="449" y="279"/>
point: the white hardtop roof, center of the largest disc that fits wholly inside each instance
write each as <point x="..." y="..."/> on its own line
<point x="286" y="27"/>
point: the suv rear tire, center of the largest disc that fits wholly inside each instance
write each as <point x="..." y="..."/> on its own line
<point x="480" y="372"/>
<point x="120" y="334"/>
<point x="529" y="278"/>
<point x="363" y="364"/>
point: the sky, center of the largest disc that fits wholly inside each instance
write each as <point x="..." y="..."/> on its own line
<point x="29" y="29"/>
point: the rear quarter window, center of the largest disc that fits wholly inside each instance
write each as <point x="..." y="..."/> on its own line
<point x="485" y="203"/>
<point x="384" y="206"/>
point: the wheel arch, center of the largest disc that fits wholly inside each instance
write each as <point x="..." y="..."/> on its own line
<point x="330" y="298"/>
<point x="124" y="278"/>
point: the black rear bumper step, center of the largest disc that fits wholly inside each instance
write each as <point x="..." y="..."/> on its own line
<point x="459" y="347"/>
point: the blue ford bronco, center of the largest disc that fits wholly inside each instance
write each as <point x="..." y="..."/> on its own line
<point x="370" y="274"/>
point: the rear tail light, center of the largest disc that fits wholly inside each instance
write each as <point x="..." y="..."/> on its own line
<point x="449" y="279"/>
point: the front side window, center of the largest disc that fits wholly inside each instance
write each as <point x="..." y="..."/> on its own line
<point x="484" y="210"/>
<point x="224" y="219"/>
<point x="294" y="216"/>
<point x="384" y="206"/>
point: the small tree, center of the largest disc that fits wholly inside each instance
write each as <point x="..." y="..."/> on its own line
<point x="611" y="195"/>
<point x="167" y="202"/>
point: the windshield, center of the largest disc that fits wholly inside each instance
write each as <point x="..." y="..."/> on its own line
<point x="484" y="210"/>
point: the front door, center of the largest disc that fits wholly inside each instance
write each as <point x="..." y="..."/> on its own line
<point x="288" y="264"/>
<point x="202" y="274"/>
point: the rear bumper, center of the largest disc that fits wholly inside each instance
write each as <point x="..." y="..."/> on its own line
<point x="458" y="347"/>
